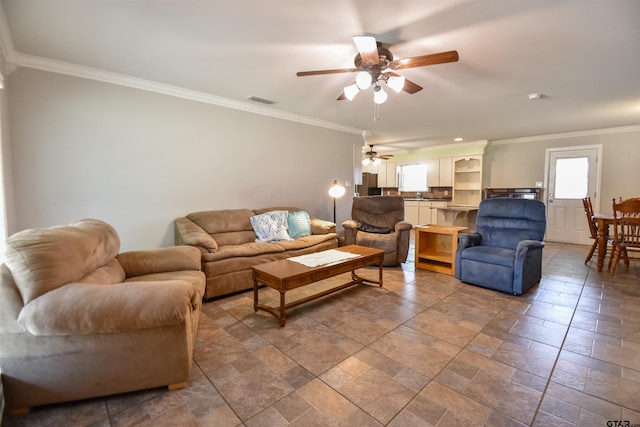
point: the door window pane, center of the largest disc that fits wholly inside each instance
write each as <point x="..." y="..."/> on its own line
<point x="572" y="178"/>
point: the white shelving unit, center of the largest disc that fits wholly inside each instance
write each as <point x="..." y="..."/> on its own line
<point x="467" y="180"/>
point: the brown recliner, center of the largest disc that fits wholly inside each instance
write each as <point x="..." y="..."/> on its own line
<point x="378" y="222"/>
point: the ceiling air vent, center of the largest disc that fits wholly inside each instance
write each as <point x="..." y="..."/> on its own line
<point x="261" y="100"/>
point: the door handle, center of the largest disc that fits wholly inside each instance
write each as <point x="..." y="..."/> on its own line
<point x="550" y="198"/>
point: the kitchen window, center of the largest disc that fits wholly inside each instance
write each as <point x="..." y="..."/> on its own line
<point x="413" y="177"/>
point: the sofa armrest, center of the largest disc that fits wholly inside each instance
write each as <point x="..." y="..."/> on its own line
<point x="189" y="233"/>
<point x="466" y="240"/>
<point x="402" y="226"/>
<point x="525" y="246"/>
<point x="350" y="224"/>
<point x="150" y="261"/>
<point x="84" y="308"/>
<point x="320" y="226"/>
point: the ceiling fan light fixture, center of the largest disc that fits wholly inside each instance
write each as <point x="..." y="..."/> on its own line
<point x="363" y="80"/>
<point x="366" y="161"/>
<point x="376" y="161"/>
<point x="396" y="83"/>
<point x="379" y="95"/>
<point x="351" y="91"/>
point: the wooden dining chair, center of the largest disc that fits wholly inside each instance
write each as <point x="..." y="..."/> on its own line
<point x="593" y="228"/>
<point x="626" y="232"/>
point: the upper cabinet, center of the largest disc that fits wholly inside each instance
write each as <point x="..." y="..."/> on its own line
<point x="387" y="176"/>
<point x="439" y="172"/>
<point x="446" y="177"/>
<point x="467" y="180"/>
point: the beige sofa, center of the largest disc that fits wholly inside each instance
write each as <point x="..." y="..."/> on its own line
<point x="228" y="246"/>
<point x="79" y="320"/>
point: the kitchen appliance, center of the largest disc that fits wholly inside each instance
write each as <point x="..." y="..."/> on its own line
<point x="533" y="193"/>
<point x="369" y="185"/>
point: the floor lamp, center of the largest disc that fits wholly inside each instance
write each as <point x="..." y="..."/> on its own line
<point x="336" y="191"/>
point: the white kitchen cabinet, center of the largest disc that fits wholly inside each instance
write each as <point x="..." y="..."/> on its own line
<point x="425" y="213"/>
<point x="445" y="175"/>
<point x="412" y="212"/>
<point x="422" y="212"/>
<point x="387" y="175"/>
<point x="433" y="172"/>
<point x="439" y="172"/>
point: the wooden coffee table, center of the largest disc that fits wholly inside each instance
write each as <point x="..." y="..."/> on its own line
<point x="285" y="275"/>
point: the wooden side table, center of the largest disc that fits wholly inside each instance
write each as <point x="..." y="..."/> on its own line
<point x="436" y="246"/>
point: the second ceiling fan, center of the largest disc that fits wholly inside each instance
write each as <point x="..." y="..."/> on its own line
<point x="374" y="65"/>
<point x="372" y="157"/>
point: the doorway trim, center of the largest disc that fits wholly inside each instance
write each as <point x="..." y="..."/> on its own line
<point x="547" y="156"/>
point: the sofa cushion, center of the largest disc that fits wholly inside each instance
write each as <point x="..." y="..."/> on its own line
<point x="107" y="274"/>
<point x="490" y="255"/>
<point x="270" y="226"/>
<point x="223" y="221"/>
<point x="82" y="308"/>
<point x="305" y="242"/>
<point x="245" y="250"/>
<point x="299" y="224"/>
<point x="41" y="260"/>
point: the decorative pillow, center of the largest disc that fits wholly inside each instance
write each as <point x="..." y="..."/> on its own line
<point x="270" y="226"/>
<point x="299" y="224"/>
<point x="363" y="226"/>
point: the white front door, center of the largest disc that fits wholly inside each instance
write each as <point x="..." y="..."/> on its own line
<point x="572" y="174"/>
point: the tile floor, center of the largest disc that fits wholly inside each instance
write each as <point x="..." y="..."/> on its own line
<point x="423" y="350"/>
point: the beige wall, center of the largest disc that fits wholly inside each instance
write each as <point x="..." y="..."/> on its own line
<point x="137" y="159"/>
<point x="77" y="148"/>
<point x="522" y="163"/>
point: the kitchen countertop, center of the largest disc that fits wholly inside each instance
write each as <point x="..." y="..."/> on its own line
<point x="424" y="199"/>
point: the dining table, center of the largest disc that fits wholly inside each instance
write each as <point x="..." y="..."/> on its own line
<point x="603" y="222"/>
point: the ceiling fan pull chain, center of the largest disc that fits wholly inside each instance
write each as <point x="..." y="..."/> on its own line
<point x="376" y="112"/>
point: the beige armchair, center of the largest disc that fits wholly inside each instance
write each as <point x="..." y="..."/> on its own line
<point x="378" y="222"/>
<point x="80" y="320"/>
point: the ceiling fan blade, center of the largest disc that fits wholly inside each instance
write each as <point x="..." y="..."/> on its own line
<point x="410" y="87"/>
<point x="385" y="156"/>
<point x="421" y="61"/>
<point x="320" y="72"/>
<point x="368" y="49"/>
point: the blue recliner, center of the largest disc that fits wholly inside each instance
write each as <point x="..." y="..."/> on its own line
<point x="505" y="252"/>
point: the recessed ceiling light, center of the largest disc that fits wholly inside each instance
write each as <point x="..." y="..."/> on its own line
<point x="458" y="139"/>
<point x="535" y="95"/>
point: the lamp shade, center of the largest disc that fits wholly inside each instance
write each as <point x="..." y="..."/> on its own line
<point x="363" y="80"/>
<point x="379" y="95"/>
<point x="351" y="91"/>
<point x="396" y="83"/>
<point x="336" y="190"/>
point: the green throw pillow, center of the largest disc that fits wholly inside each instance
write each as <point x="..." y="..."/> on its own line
<point x="299" y="224"/>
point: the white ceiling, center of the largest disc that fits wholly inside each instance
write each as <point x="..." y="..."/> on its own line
<point x="582" y="55"/>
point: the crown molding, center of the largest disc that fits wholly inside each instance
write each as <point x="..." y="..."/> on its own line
<point x="6" y="41"/>
<point x="59" y="67"/>
<point x="16" y="59"/>
<point x="581" y="133"/>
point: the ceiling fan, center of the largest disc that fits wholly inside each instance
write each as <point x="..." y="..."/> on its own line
<point x="372" y="157"/>
<point x="374" y="65"/>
